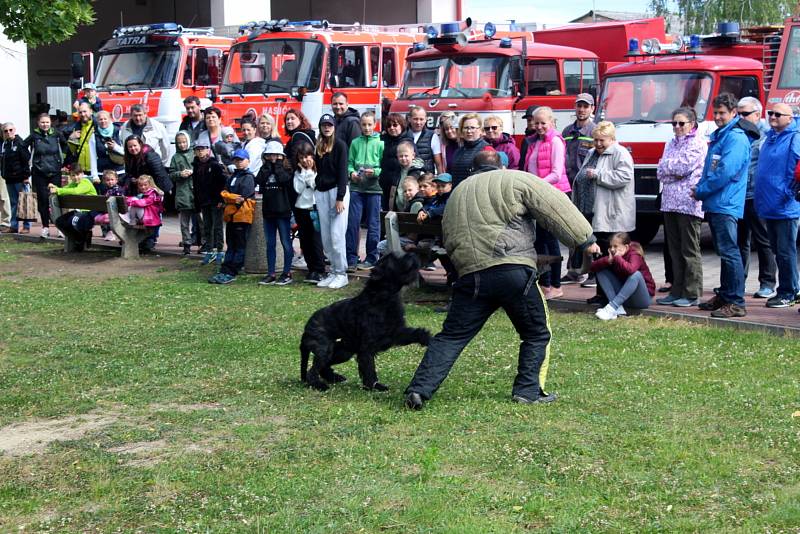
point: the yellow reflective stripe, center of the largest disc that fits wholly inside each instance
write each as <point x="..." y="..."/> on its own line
<point x="546" y="362"/>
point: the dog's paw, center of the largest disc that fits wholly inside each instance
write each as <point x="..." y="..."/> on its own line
<point x="336" y="378"/>
<point x="424" y="337"/>
<point x="319" y="386"/>
<point x="377" y="386"/>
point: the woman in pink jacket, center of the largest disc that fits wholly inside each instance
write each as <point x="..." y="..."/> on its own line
<point x="679" y="170"/>
<point x="547" y="159"/>
<point x="145" y="209"/>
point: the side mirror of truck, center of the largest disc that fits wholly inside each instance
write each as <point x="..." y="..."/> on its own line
<point x="333" y="66"/>
<point x="298" y="92"/>
<point x="211" y="94"/>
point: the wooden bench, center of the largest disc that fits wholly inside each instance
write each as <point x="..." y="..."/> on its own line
<point x="129" y="235"/>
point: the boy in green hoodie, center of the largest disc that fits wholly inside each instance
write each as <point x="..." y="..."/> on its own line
<point x="180" y="170"/>
<point x="363" y="166"/>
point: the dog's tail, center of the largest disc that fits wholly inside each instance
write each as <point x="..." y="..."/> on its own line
<point x="304" y="353"/>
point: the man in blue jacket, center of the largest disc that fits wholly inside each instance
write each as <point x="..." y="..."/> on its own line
<point x="775" y="200"/>
<point x="722" y="189"/>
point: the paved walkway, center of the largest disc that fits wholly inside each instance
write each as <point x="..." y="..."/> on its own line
<point x="780" y="321"/>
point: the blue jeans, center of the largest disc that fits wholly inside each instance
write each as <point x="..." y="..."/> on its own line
<point x="282" y="225"/>
<point x="13" y="193"/>
<point x="731" y="275"/>
<point x="633" y="293"/>
<point x="783" y="238"/>
<point x="476" y="297"/>
<point x="370" y="205"/>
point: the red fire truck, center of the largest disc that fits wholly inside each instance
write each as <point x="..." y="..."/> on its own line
<point x="473" y="71"/>
<point x="785" y="83"/>
<point x="157" y="65"/>
<point x="277" y="65"/>
<point x="640" y="96"/>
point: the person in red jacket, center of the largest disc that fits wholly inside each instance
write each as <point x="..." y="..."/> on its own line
<point x="624" y="277"/>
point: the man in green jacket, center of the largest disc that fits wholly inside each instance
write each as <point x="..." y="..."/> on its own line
<point x="489" y="229"/>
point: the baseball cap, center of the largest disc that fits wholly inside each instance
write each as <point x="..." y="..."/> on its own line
<point x="241" y="154"/>
<point x="445" y="177"/>
<point x="273" y="147"/>
<point x="89" y="86"/>
<point x="530" y="111"/>
<point x="201" y="143"/>
<point x="585" y="97"/>
<point x="327" y="118"/>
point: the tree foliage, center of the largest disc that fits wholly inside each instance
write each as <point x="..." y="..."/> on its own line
<point x="702" y="16"/>
<point x="40" y="22"/>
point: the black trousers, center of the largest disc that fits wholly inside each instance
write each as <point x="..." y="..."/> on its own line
<point x="40" y="183"/>
<point x="476" y="297"/>
<point x="752" y="233"/>
<point x="310" y="241"/>
<point x="77" y="225"/>
<point x="236" y="237"/>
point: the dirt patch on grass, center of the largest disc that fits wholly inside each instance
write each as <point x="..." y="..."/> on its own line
<point x="33" y="437"/>
<point x="186" y="408"/>
<point x="43" y="261"/>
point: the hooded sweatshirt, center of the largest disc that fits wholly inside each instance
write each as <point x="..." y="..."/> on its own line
<point x="366" y="152"/>
<point x="182" y="160"/>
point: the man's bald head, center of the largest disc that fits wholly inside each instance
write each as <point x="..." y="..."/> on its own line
<point x="780" y="116"/>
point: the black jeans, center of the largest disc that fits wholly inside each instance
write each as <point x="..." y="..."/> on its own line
<point x="77" y="225"/>
<point x="752" y="233"/>
<point x="476" y="297"/>
<point x="236" y="236"/>
<point x="310" y="241"/>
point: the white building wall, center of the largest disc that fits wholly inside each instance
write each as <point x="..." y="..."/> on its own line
<point x="14" y="66"/>
<point x="236" y="12"/>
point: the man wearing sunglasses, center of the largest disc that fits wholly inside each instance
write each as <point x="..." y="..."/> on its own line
<point x="775" y="200"/>
<point x="722" y="189"/>
<point x="752" y="232"/>
<point x="15" y="169"/>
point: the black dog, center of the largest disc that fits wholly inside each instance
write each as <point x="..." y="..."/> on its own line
<point x="371" y="322"/>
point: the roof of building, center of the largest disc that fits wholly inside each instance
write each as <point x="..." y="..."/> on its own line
<point x="610" y="15"/>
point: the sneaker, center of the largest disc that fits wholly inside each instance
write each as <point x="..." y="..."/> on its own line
<point x="299" y="262"/>
<point x="226" y="279"/>
<point x="590" y="281"/>
<point x="215" y="279"/>
<point x="24" y="230"/>
<point x="765" y="292"/>
<point x="267" y="280"/>
<point x="779" y="301"/>
<point x="597" y="300"/>
<point x="666" y="288"/>
<point x="339" y="281"/>
<point x="60" y="234"/>
<point x="284" y="280"/>
<point x="686" y="303"/>
<point x="573" y="277"/>
<point x="728" y="311"/>
<point x="621" y="312"/>
<point x="110" y="237"/>
<point x="414" y="401"/>
<point x="714" y="303"/>
<point x="668" y="300"/>
<point x="365" y="266"/>
<point x="606" y="313"/>
<point x="555" y="293"/>
<point x="187" y="249"/>
<point x="314" y="278"/>
<point x="208" y="257"/>
<point x="45" y="232"/>
<point x="351" y="268"/>
<point x="540" y="399"/>
<point x="429" y="267"/>
<point x="325" y="282"/>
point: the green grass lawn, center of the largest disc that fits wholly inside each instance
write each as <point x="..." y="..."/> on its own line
<point x="190" y="417"/>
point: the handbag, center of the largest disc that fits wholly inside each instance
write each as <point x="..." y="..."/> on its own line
<point x="26" y="204"/>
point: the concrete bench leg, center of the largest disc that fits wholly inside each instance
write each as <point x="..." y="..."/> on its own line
<point x="393" y="233"/>
<point x="128" y="236"/>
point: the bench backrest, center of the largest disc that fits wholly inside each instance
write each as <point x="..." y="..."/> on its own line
<point x="89" y="202"/>
<point x="407" y="224"/>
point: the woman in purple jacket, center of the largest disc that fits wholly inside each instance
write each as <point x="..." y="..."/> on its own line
<point x="679" y="170"/>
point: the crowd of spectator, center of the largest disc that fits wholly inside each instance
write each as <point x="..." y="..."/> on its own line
<point x="326" y="186"/>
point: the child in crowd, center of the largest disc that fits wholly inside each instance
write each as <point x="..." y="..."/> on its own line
<point x="208" y="181"/>
<point x="623" y="276"/>
<point x="239" y="205"/>
<point x="363" y="167"/>
<point x="409" y="164"/>
<point x="76" y="224"/>
<point x="225" y="147"/>
<point x="435" y="209"/>
<point x="305" y="184"/>
<point x="111" y="188"/>
<point x="274" y="181"/>
<point x="146" y="207"/>
<point x="415" y="201"/>
<point x="180" y="171"/>
<point x="426" y="186"/>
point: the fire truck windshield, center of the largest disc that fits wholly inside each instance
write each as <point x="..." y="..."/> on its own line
<point x="457" y="77"/>
<point x="273" y="66"/>
<point x="152" y="68"/>
<point x="651" y="97"/>
<point x="790" y="69"/>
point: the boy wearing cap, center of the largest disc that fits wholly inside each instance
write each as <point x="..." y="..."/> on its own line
<point x="363" y="167"/>
<point x="90" y="97"/>
<point x="239" y="205"/>
<point x="275" y="182"/>
<point x="435" y="210"/>
<point x="208" y="181"/>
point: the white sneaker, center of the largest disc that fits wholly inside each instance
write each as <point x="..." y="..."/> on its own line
<point x="339" y="281"/>
<point x="326" y="282"/>
<point x="60" y="234"/>
<point x="45" y="232"/>
<point x="621" y="311"/>
<point x="110" y="237"/>
<point x="606" y="313"/>
<point x="299" y="262"/>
